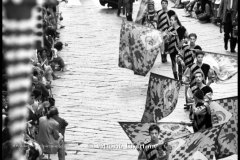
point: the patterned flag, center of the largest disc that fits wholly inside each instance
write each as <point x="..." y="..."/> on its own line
<point x="141" y="11"/>
<point x="138" y="132"/>
<point x="139" y="47"/>
<point x="162" y="96"/>
<point x="225" y="66"/>
<point x="203" y="141"/>
<point x="219" y="114"/>
<point x="228" y="137"/>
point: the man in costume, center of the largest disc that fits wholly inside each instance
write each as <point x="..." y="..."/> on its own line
<point x="189" y="74"/>
<point x="163" y="23"/>
<point x="153" y="150"/>
<point x="149" y="18"/>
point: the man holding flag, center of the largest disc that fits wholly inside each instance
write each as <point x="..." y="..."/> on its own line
<point x="153" y="150"/>
<point x="163" y="23"/>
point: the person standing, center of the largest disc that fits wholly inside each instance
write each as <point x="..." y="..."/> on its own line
<point x="163" y="23"/>
<point x="227" y="14"/>
<point x="189" y="75"/>
<point x="179" y="36"/>
<point x="62" y="127"/>
<point x="129" y="8"/>
<point x="186" y="59"/>
<point x="49" y="137"/>
<point x="149" y="18"/>
<point x="153" y="150"/>
<point x="201" y="113"/>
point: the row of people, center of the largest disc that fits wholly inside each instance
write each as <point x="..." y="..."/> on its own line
<point x="45" y="128"/>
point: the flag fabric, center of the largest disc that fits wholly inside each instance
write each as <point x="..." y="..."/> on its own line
<point x="138" y="132"/>
<point x="162" y="96"/>
<point x="125" y="56"/>
<point x="228" y="137"/>
<point x="219" y="115"/>
<point x="225" y="66"/>
<point x="139" y="47"/>
<point x="141" y="11"/>
<point x="203" y="141"/>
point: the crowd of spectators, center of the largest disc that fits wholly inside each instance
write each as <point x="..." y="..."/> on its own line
<point x="45" y="129"/>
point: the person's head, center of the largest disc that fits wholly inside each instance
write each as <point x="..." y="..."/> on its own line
<point x="151" y="6"/>
<point x="58" y="46"/>
<point x="208" y="92"/>
<point x="52" y="112"/>
<point x="164" y="4"/>
<point x="174" y="20"/>
<point x="198" y="77"/>
<point x="198" y="96"/>
<point x="36" y="94"/>
<point x="154" y="131"/>
<point x="192" y="37"/>
<point x="199" y="56"/>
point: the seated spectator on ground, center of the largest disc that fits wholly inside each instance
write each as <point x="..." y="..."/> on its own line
<point x="57" y="62"/>
<point x="204" y="11"/>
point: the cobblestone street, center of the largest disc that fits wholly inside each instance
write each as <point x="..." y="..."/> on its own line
<point x="94" y="94"/>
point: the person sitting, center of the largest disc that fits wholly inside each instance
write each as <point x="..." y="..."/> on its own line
<point x="153" y="150"/>
<point x="204" y="11"/>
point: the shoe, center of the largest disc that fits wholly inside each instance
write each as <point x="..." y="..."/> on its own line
<point x="233" y="51"/>
<point x="56" y="77"/>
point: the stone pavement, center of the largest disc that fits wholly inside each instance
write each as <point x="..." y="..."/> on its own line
<point x="95" y="94"/>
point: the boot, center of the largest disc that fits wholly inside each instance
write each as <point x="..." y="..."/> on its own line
<point x="175" y="75"/>
<point x="226" y="43"/>
<point x="118" y="13"/>
<point x="164" y="58"/>
<point x="233" y="43"/>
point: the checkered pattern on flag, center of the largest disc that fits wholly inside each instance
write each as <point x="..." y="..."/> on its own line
<point x="219" y="114"/>
<point x="225" y="66"/>
<point x="138" y="132"/>
<point x="139" y="47"/>
<point x="228" y="137"/>
<point x="162" y="96"/>
<point x="203" y="141"/>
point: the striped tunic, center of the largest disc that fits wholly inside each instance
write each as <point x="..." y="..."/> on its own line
<point x="186" y="56"/>
<point x="163" y="21"/>
<point x="173" y="41"/>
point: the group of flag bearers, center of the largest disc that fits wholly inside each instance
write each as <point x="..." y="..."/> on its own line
<point x="197" y="76"/>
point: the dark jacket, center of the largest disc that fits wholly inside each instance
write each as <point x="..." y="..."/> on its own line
<point x="62" y="124"/>
<point x="223" y="9"/>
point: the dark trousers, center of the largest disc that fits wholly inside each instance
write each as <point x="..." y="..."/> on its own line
<point x="228" y="33"/>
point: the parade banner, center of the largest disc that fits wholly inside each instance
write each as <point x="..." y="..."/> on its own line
<point x="138" y="132"/>
<point x="202" y="143"/>
<point x="141" y="11"/>
<point x="228" y="137"/>
<point x="162" y="96"/>
<point x="139" y="47"/>
<point x="219" y="114"/>
<point x="225" y="66"/>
